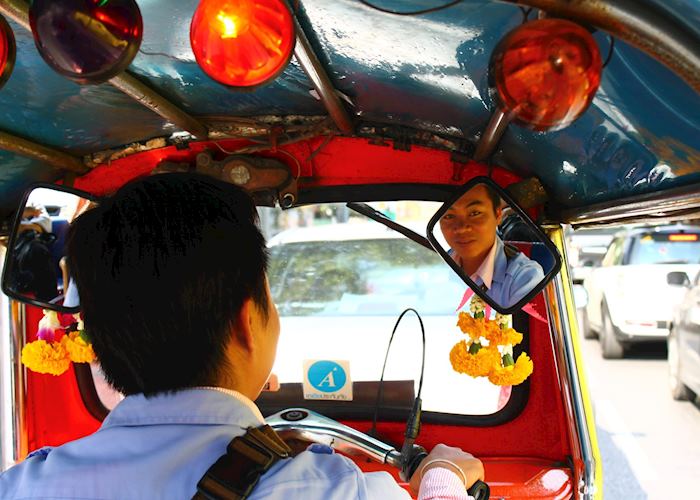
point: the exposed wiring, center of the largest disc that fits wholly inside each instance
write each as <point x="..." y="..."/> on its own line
<point x="260" y="148"/>
<point x="380" y="391"/>
<point x="325" y="143"/>
<point x="295" y="161"/>
<point x="610" y="51"/>
<point x="409" y="13"/>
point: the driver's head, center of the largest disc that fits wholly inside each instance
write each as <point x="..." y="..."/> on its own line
<point x="171" y="273"/>
<point x="470" y="224"/>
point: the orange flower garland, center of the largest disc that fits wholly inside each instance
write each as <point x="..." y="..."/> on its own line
<point x="60" y="342"/>
<point x="489" y="350"/>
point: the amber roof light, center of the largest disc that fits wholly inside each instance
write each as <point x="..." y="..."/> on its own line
<point x="546" y="73"/>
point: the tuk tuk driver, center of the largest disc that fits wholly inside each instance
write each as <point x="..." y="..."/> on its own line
<point x="469" y="227"/>
<point x="172" y="278"/>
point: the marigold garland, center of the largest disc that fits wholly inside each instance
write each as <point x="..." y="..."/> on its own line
<point x="46" y="357"/>
<point x="61" y="339"/>
<point x="489" y="350"/>
<point x="476" y="365"/>
<point x="512" y="374"/>
<point x="79" y="351"/>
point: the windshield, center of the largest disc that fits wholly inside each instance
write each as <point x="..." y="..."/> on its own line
<point x="340" y="281"/>
<point x="666" y="248"/>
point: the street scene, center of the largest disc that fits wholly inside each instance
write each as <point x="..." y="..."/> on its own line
<point x="647" y="418"/>
<point x="648" y="441"/>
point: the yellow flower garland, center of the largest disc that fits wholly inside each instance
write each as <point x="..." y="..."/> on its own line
<point x="476" y="365"/>
<point x="488" y="353"/>
<point x="44" y="357"/>
<point x="513" y="374"/>
<point x="57" y="347"/>
<point x="78" y="350"/>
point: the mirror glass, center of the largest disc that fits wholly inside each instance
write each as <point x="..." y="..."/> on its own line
<point x="36" y="271"/>
<point x="493" y="245"/>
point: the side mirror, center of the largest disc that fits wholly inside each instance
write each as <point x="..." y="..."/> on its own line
<point x="35" y="270"/>
<point x="493" y="245"/>
<point x="678" y="278"/>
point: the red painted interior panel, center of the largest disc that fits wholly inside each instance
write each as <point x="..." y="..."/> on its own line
<point x="340" y="161"/>
<point x="509" y="477"/>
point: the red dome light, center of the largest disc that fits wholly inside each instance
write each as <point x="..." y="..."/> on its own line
<point x="242" y="43"/>
<point x="7" y="51"/>
<point x="546" y="73"/>
<point x="88" y="41"/>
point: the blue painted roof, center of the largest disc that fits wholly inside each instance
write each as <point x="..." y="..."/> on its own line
<point x="642" y="133"/>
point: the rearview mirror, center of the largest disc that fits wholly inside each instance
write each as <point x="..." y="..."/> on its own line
<point x="493" y="245"/>
<point x="35" y="270"/>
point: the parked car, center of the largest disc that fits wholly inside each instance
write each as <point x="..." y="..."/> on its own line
<point x="629" y="299"/>
<point x="684" y="339"/>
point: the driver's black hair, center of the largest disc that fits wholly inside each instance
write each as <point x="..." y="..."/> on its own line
<point x="493" y="196"/>
<point x="163" y="268"/>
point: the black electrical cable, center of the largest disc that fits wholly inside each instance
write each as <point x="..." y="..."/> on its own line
<point x="410" y="13"/>
<point x="380" y="391"/>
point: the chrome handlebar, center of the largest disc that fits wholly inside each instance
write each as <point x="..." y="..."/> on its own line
<point x="306" y="425"/>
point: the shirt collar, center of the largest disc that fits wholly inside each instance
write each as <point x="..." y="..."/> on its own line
<point x="485" y="270"/>
<point x="241" y="399"/>
<point x="200" y="405"/>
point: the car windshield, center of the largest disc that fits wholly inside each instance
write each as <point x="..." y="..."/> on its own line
<point x="666" y="248"/>
<point x="340" y="281"/>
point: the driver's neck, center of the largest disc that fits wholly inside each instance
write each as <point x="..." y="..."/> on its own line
<point x="470" y="266"/>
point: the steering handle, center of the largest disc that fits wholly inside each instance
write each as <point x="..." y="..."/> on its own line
<point x="479" y="490"/>
<point x="306" y="425"/>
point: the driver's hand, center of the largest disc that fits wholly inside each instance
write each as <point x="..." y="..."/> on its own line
<point x="472" y="467"/>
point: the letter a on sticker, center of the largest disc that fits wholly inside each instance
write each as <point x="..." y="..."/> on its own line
<point x="328" y="379"/>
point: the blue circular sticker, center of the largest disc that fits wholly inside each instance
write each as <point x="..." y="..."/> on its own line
<point x="327" y="376"/>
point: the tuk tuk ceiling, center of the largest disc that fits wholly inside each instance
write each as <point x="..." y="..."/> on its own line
<point x="427" y="72"/>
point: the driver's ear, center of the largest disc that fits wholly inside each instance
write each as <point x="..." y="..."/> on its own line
<point x="244" y="331"/>
<point x="499" y="215"/>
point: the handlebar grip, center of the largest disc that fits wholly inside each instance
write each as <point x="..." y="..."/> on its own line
<point x="480" y="490"/>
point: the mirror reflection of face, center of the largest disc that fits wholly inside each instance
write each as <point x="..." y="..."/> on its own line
<point x="469" y="226"/>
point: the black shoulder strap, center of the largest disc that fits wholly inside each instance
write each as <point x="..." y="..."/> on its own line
<point x="247" y="457"/>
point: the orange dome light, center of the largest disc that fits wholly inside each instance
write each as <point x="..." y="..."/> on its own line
<point x="242" y="43"/>
<point x="546" y="73"/>
<point x="7" y="51"/>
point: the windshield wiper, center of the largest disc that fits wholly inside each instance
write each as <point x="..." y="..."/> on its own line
<point x="377" y="216"/>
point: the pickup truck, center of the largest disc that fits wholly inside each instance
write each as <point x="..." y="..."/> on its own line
<point x="629" y="299"/>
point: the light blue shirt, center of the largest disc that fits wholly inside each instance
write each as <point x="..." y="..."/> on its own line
<point x="160" y="447"/>
<point x="513" y="278"/>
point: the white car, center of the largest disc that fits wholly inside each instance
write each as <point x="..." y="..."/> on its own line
<point x="629" y="299"/>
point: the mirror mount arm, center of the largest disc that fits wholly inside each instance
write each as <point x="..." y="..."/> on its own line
<point x="375" y="215"/>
